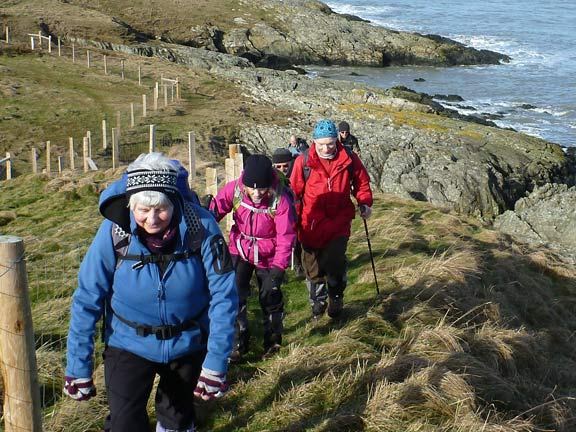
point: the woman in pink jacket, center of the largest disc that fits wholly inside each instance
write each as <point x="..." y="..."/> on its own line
<point x="261" y="241"/>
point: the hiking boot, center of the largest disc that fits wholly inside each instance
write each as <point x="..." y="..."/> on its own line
<point x="237" y="356"/>
<point x="318" y="309"/>
<point x="335" y="306"/>
<point x="271" y="351"/>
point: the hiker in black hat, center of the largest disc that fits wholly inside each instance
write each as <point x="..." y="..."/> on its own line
<point x="282" y="159"/>
<point x="261" y="242"/>
<point x="346" y="138"/>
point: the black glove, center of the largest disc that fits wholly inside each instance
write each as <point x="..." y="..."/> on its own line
<point x="270" y="294"/>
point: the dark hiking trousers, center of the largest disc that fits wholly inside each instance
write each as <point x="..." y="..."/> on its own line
<point x="129" y="381"/>
<point x="272" y="308"/>
<point x="325" y="271"/>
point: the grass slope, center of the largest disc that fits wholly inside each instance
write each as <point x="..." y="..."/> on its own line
<point x="470" y="332"/>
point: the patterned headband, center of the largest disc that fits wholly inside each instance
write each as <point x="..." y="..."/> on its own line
<point x="155" y="180"/>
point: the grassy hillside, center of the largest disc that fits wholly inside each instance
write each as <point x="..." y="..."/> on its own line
<point x="470" y="331"/>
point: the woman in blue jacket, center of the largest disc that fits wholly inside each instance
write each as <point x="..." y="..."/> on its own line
<point x="160" y="273"/>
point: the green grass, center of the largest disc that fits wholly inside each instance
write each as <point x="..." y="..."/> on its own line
<point x="465" y="323"/>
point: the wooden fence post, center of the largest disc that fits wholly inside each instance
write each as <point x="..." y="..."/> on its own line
<point x="156" y="97"/>
<point x="88" y="58"/>
<point x="132" y="114"/>
<point x="50" y="44"/>
<point x="85" y="153"/>
<point x="229" y="170"/>
<point x="140" y="75"/>
<point x="59" y="47"/>
<point x="152" y="141"/>
<point x="191" y="159"/>
<point x="104" y="135"/>
<point x="122" y="63"/>
<point x="34" y="161"/>
<point x="60" y="165"/>
<point x="7" y="35"/>
<point x="8" y="166"/>
<point x="115" y="155"/>
<point x="143" y="105"/>
<point x="71" y="153"/>
<point x="48" y="156"/>
<point x="22" y="410"/>
<point x="211" y="182"/>
<point x="105" y="65"/>
<point x="73" y="53"/>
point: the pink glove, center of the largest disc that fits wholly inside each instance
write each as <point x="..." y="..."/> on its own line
<point x="79" y="389"/>
<point x="365" y="211"/>
<point x="211" y="385"/>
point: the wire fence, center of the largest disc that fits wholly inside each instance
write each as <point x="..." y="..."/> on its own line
<point x="129" y="131"/>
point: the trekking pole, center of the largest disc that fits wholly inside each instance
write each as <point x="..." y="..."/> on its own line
<point x="371" y="256"/>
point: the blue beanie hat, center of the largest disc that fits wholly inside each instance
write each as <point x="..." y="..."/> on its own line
<point x="325" y="129"/>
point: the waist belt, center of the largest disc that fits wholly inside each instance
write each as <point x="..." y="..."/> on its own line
<point x="161" y="332"/>
<point x="254" y="241"/>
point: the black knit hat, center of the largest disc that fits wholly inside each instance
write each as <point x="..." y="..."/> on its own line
<point x="258" y="172"/>
<point x="281" y="155"/>
<point x="343" y="127"/>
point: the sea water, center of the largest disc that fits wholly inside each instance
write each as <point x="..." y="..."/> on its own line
<point x="534" y="93"/>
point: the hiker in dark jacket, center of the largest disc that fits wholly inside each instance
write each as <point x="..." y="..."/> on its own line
<point x="261" y="242"/>
<point x="160" y="273"/>
<point x="325" y="213"/>
<point x="346" y="138"/>
<point x="283" y="160"/>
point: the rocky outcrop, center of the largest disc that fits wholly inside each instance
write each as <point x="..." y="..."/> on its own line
<point x="309" y="32"/>
<point x="546" y="217"/>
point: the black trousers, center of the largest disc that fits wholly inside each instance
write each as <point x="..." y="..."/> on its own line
<point x="272" y="308"/>
<point x="129" y="381"/>
<point x="328" y="264"/>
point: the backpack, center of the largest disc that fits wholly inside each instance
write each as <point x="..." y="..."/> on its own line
<point x="272" y="207"/>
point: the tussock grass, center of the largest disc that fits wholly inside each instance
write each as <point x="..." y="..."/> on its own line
<point x="470" y="332"/>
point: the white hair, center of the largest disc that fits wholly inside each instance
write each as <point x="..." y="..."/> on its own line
<point x="150" y="199"/>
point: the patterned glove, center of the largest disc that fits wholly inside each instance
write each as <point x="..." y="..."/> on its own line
<point x="79" y="389"/>
<point x="211" y="385"/>
<point x="365" y="211"/>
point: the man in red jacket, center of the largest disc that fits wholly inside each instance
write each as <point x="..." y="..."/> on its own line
<point x="322" y="182"/>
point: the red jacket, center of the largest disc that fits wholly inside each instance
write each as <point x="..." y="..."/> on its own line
<point x="323" y="203"/>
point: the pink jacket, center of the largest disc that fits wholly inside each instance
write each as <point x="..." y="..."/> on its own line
<point x="258" y="237"/>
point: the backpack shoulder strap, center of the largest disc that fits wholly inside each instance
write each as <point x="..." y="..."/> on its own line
<point x="194" y="236"/>
<point x="305" y="168"/>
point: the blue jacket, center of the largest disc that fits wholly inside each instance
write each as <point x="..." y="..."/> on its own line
<point x="195" y="288"/>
